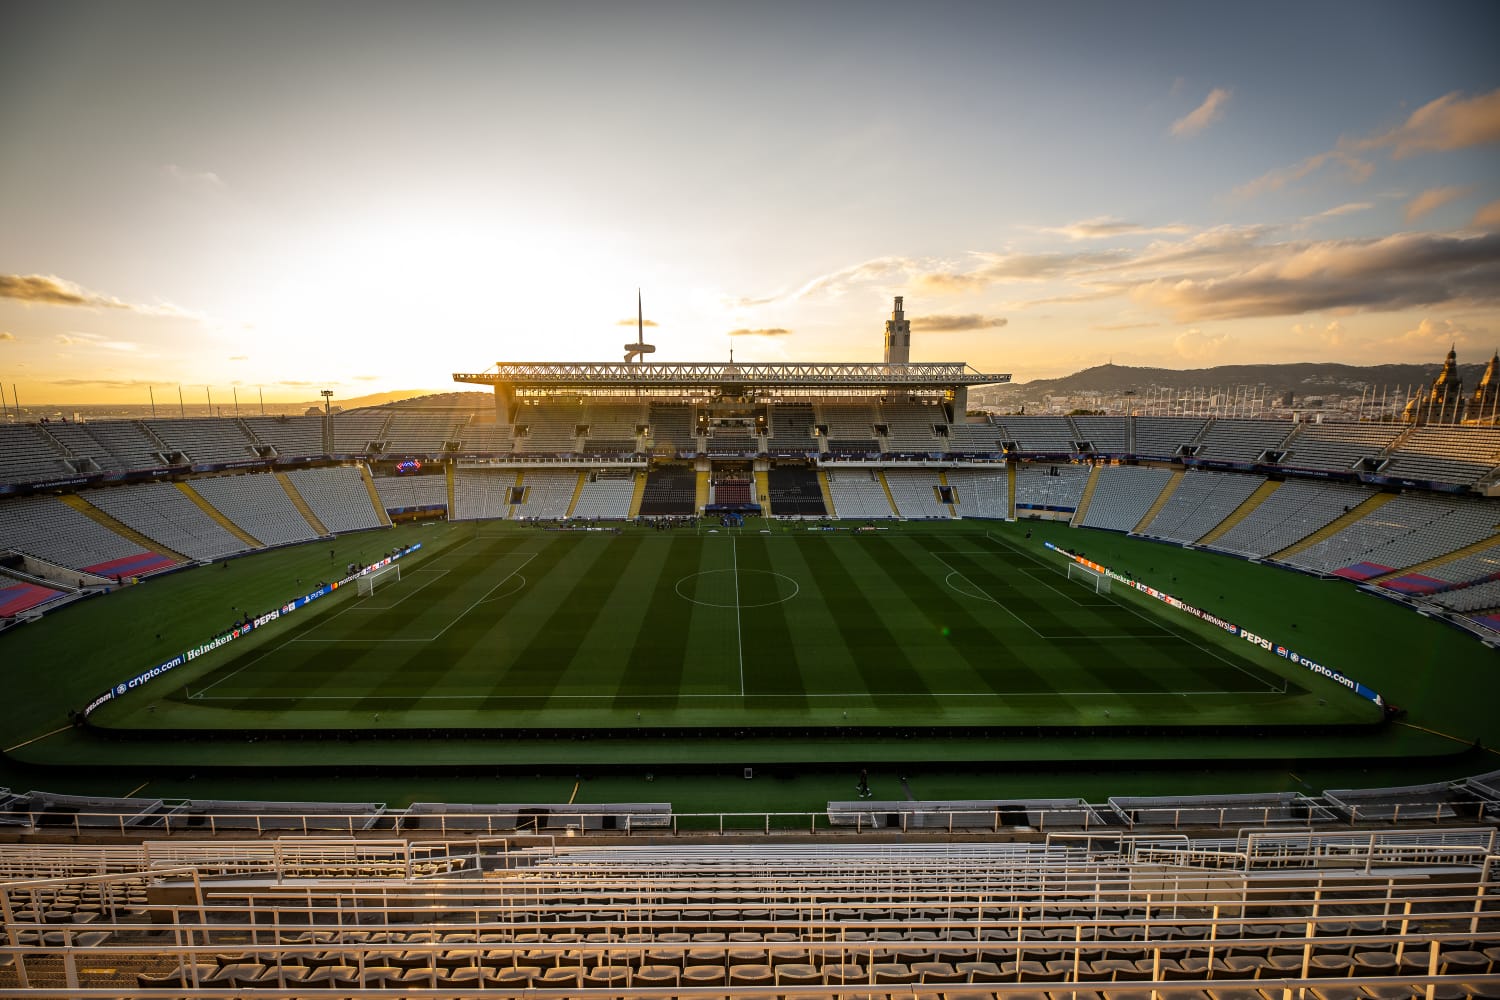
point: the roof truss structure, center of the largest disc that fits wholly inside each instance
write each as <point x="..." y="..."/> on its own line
<point x="585" y="376"/>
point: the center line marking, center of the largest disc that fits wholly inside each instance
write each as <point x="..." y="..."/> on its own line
<point x="738" y="634"/>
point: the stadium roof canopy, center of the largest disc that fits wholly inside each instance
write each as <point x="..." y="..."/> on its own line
<point x="584" y="376"/>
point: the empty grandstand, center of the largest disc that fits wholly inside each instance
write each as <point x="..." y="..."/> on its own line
<point x="766" y="661"/>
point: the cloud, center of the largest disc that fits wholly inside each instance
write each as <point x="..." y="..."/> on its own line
<point x="838" y="282"/>
<point x="772" y="331"/>
<point x="997" y="268"/>
<point x="1204" y="115"/>
<point x="240" y="357"/>
<point x="48" y="290"/>
<point x="1488" y="216"/>
<point x="1124" y="326"/>
<point x="1406" y="270"/>
<point x="297" y="382"/>
<point x="631" y="322"/>
<point x="1348" y="208"/>
<point x="1433" y="198"/>
<point x="368" y="378"/>
<point x="1433" y="335"/>
<point x="1195" y="345"/>
<point x="940" y="323"/>
<point x="80" y="338"/>
<point x="1105" y="227"/>
<point x="6" y="335"/>
<point x="1356" y="171"/>
<point x="110" y="383"/>
<point x="1330" y="334"/>
<point x="205" y="179"/>
<point x="1448" y="123"/>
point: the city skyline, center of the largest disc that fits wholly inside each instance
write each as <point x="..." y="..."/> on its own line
<point x="370" y="197"/>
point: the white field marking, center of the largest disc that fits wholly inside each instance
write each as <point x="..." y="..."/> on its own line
<point x="500" y="597"/>
<point x="356" y="603"/>
<point x="365" y="605"/>
<point x="949" y="581"/>
<point x="1187" y="637"/>
<point x="739" y="641"/>
<point x="1063" y="593"/>
<point x="456" y="619"/>
<point x="677" y="588"/>
<point x="731" y="696"/>
<point x="985" y="595"/>
<point x="198" y="695"/>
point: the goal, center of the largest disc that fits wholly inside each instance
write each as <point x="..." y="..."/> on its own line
<point x="385" y="574"/>
<point x="1093" y="579"/>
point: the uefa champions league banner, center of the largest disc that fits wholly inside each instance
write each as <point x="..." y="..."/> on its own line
<point x="238" y="632"/>
<point x="1282" y="651"/>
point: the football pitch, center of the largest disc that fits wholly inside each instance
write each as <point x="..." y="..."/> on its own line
<point x="517" y="628"/>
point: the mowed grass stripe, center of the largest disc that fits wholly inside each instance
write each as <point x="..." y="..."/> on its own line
<point x="880" y="657"/>
<point x="416" y="671"/>
<point x="825" y="665"/>
<point x="574" y="587"/>
<point x="653" y="670"/>
<point x="1177" y="658"/>
<point x="1076" y="663"/>
<point x="603" y="652"/>
<point x="377" y="667"/>
<point x="995" y="649"/>
<point x="770" y="665"/>
<point x="711" y="664"/>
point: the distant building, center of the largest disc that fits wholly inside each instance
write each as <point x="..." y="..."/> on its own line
<point x="1443" y="401"/>
<point x="1484" y="405"/>
<point x="898" y="336"/>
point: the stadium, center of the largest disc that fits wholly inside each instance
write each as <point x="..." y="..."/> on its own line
<point x="751" y="679"/>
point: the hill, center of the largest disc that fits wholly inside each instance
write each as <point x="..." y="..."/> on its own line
<point x="1307" y="379"/>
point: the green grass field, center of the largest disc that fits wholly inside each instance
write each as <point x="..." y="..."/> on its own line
<point x="1448" y="682"/>
<point x="516" y="628"/>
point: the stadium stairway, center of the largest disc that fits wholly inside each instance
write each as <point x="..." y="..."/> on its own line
<point x="1241" y="512"/>
<point x="827" y="493"/>
<point x="1083" y="501"/>
<point x="943" y="481"/>
<point x="1446" y="557"/>
<point x="364" y="473"/>
<point x="1010" y="489"/>
<point x="700" y="495"/>
<point x="577" y="492"/>
<point x="448" y="476"/>
<point x="637" y="494"/>
<point x="520" y="485"/>
<point x="88" y="510"/>
<point x="302" y="505"/>
<point x="889" y="498"/>
<point x="1161" y="500"/>
<point x="763" y="491"/>
<point x="1335" y="526"/>
<point x="202" y="504"/>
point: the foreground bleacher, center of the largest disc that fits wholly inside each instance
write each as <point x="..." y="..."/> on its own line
<point x="1259" y="914"/>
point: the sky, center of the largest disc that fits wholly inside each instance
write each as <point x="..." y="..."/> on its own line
<point x="368" y="197"/>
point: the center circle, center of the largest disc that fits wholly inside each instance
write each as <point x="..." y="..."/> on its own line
<point x="749" y="588"/>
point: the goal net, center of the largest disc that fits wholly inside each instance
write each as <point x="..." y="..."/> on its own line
<point x="386" y="574"/>
<point x="1093" y="579"/>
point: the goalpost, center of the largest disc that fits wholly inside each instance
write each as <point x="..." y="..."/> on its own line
<point x="365" y="585"/>
<point x="1092" y="579"/>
